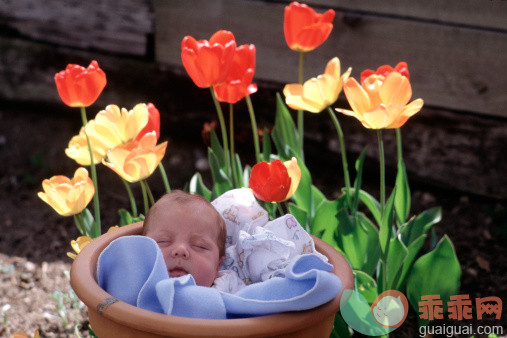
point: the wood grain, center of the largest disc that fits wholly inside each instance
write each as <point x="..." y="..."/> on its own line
<point x="118" y="26"/>
<point x="458" y="68"/>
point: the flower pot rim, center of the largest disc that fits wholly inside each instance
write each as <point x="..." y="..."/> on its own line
<point x="84" y="283"/>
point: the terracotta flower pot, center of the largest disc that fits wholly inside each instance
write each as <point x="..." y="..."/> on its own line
<point x="110" y="317"/>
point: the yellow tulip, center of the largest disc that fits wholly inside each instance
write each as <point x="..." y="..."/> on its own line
<point x="110" y="128"/>
<point x="317" y="93"/>
<point x="78" y="245"/>
<point x="295" y="174"/>
<point x="136" y="160"/>
<point x="381" y="102"/>
<point x="68" y="196"/>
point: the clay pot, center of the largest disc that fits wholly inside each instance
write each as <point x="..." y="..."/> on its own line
<point x="110" y="317"/>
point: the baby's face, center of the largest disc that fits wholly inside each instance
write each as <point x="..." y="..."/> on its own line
<point x="187" y="236"/>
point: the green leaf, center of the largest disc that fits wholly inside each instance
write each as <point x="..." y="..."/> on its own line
<point x="357" y="182"/>
<point x="371" y="203"/>
<point x="217" y="149"/>
<point x="366" y="285"/>
<point x="317" y="195"/>
<point x="369" y="239"/>
<point x="358" y="239"/>
<point x="238" y="172"/>
<point x="340" y="328"/>
<point x="413" y="249"/>
<point x="222" y="183"/>
<point x="300" y="214"/>
<point x="246" y="176"/>
<point x="88" y="222"/>
<point x="395" y="260"/>
<point x="266" y="145"/>
<point x="402" y="199"/>
<point x="435" y="273"/>
<point x="125" y="217"/>
<point x="420" y="224"/>
<point x="197" y="186"/>
<point x="325" y="216"/>
<point x="304" y="193"/>
<point x="386" y="227"/>
<point x="284" y="134"/>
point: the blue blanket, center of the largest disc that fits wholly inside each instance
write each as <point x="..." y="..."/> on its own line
<point x="132" y="269"/>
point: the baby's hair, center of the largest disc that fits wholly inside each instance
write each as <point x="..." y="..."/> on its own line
<point x="181" y="197"/>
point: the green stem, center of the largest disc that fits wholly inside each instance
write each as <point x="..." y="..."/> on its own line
<point x="382" y="173"/>
<point x="280" y="209"/>
<point x="231" y="139"/>
<point x="164" y="177"/>
<point x="345" y="165"/>
<point x="131" y="197"/>
<point x="96" y="206"/>
<point x="300" y="112"/>
<point x="223" y="129"/>
<point x="148" y="190"/>
<point x="254" y="128"/>
<point x="78" y="219"/>
<point x="145" y="198"/>
<point x="398" y="144"/>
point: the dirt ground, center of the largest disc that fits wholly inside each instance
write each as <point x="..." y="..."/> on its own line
<point x="34" y="288"/>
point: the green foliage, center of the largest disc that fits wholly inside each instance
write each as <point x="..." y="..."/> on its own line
<point x="435" y="273"/>
<point x="381" y="245"/>
<point x="402" y="199"/>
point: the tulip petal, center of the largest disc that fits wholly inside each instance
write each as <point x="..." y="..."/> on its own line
<point x="395" y="89"/>
<point x="377" y="118"/>
<point x="358" y="98"/>
<point x="333" y="68"/>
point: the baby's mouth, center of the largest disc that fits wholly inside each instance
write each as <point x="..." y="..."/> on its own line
<point x="177" y="272"/>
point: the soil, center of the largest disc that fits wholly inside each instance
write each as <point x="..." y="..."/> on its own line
<point x="35" y="292"/>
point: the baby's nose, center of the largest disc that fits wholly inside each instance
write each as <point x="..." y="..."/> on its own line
<point x="179" y="250"/>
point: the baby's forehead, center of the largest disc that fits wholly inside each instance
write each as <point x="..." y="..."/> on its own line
<point x="203" y="213"/>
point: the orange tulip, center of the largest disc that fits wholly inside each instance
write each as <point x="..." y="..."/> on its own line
<point x="153" y="122"/>
<point x="384" y="70"/>
<point x="238" y="82"/>
<point x="381" y="101"/>
<point x="318" y="93"/>
<point x="79" y="244"/>
<point x="68" y="196"/>
<point x="79" y="86"/>
<point x="136" y="160"/>
<point x="305" y="29"/>
<point x="295" y="176"/>
<point x="82" y="241"/>
<point x="111" y="127"/>
<point x="270" y="182"/>
<point x="208" y="62"/>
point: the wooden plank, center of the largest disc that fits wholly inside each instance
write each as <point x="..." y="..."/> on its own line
<point x="452" y="67"/>
<point x="118" y="26"/>
<point x="489" y="14"/>
<point x="448" y="148"/>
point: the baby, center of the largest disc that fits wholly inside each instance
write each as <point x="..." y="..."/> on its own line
<point x="190" y="233"/>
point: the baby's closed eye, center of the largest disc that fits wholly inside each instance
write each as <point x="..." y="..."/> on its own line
<point x="163" y="243"/>
<point x="201" y="246"/>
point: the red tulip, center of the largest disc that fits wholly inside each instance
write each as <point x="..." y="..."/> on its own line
<point x="305" y="29"/>
<point x="153" y="122"/>
<point x="384" y="70"/>
<point x="79" y="86"/>
<point x="208" y="62"/>
<point x="238" y="82"/>
<point x="270" y="182"/>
